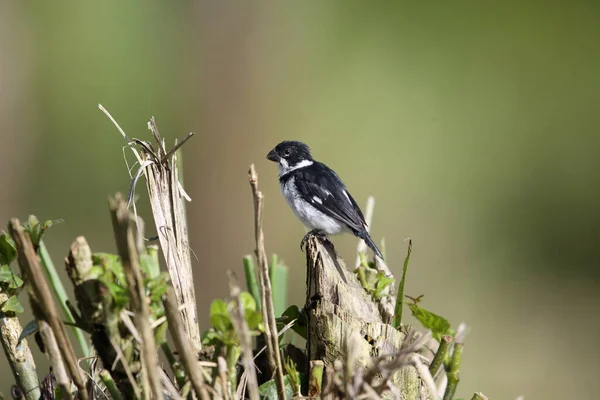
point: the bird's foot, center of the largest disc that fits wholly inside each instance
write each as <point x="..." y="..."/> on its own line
<point x="314" y="232"/>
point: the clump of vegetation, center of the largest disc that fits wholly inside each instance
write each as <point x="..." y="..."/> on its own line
<point x="126" y="313"/>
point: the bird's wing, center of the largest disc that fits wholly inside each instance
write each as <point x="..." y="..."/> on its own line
<point x="324" y="190"/>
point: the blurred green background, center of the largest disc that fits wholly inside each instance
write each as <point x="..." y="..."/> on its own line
<point x="475" y="125"/>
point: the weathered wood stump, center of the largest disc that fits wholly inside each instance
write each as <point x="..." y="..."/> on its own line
<point x="344" y="322"/>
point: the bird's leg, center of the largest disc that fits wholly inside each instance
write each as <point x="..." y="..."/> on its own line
<point x="315" y="232"/>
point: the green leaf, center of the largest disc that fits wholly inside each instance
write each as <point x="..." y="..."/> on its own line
<point x="149" y="264"/>
<point x="30" y="329"/>
<point x="219" y="316"/>
<point x="7" y="276"/>
<point x="254" y="320"/>
<point x="381" y="284"/>
<point x="119" y="294"/>
<point x="8" y="251"/>
<point x="209" y="337"/>
<point x="157" y="287"/>
<point x="400" y="296"/>
<point x="268" y="390"/>
<point x="294" y="313"/>
<point x="248" y="302"/>
<point x="37" y="230"/>
<point x="438" y="325"/>
<point x="12" y="305"/>
<point x="111" y="263"/>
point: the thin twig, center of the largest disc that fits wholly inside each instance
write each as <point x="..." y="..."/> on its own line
<point x="126" y="245"/>
<point x="185" y="348"/>
<point x="241" y="327"/>
<point x="224" y="382"/>
<point x="425" y="376"/>
<point x="169" y="387"/>
<point x="56" y="360"/>
<point x="266" y="292"/>
<point x="42" y="304"/>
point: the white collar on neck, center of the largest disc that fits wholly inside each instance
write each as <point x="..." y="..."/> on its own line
<point x="285" y="168"/>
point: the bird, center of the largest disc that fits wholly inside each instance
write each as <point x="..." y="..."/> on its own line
<point x="317" y="195"/>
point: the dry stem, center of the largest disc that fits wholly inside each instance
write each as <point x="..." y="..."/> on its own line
<point x="42" y="304"/>
<point x="56" y="360"/>
<point x="241" y="327"/>
<point x="126" y="245"/>
<point x="184" y="346"/>
<point x="265" y="286"/>
<point x="166" y="194"/>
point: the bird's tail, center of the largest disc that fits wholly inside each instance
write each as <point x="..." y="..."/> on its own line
<point x="364" y="235"/>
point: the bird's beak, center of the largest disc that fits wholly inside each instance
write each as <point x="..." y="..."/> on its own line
<point x="272" y="156"/>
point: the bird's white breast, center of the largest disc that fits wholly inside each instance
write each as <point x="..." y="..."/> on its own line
<point x="309" y="215"/>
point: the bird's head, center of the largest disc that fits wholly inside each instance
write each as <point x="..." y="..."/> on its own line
<point x="290" y="155"/>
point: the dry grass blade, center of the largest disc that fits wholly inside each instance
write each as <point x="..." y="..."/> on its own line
<point x="126" y="245"/>
<point x="42" y="303"/>
<point x="265" y="287"/>
<point x="184" y="347"/>
<point x="241" y="328"/>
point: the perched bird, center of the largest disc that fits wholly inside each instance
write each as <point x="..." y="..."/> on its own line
<point x="317" y="195"/>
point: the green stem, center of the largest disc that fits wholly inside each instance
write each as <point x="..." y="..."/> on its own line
<point x="315" y="380"/>
<point x="252" y="279"/>
<point x="108" y="381"/>
<point x="440" y="355"/>
<point x="453" y="371"/>
<point x="400" y="297"/>
<point x="176" y="366"/>
<point x="61" y="294"/>
<point x="233" y="355"/>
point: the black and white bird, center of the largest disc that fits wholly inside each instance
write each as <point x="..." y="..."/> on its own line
<point x="317" y="195"/>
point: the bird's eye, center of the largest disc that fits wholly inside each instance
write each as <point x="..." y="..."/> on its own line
<point x="287" y="152"/>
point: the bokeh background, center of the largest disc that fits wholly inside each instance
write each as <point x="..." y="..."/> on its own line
<point x="474" y="124"/>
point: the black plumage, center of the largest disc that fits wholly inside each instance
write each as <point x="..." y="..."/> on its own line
<point x="317" y="195"/>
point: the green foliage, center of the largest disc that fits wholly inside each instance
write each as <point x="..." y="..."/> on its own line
<point x="10" y="283"/>
<point x="268" y="390"/>
<point x="294" y="313"/>
<point x="9" y="279"/>
<point x="109" y="270"/>
<point x="220" y="318"/>
<point x="372" y="280"/>
<point x="278" y="273"/>
<point x="8" y="251"/>
<point x="36" y="230"/>
<point x="11" y="305"/>
<point x="400" y="296"/>
<point x="252" y="279"/>
<point x="292" y="375"/>
<point x="438" y="325"/>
